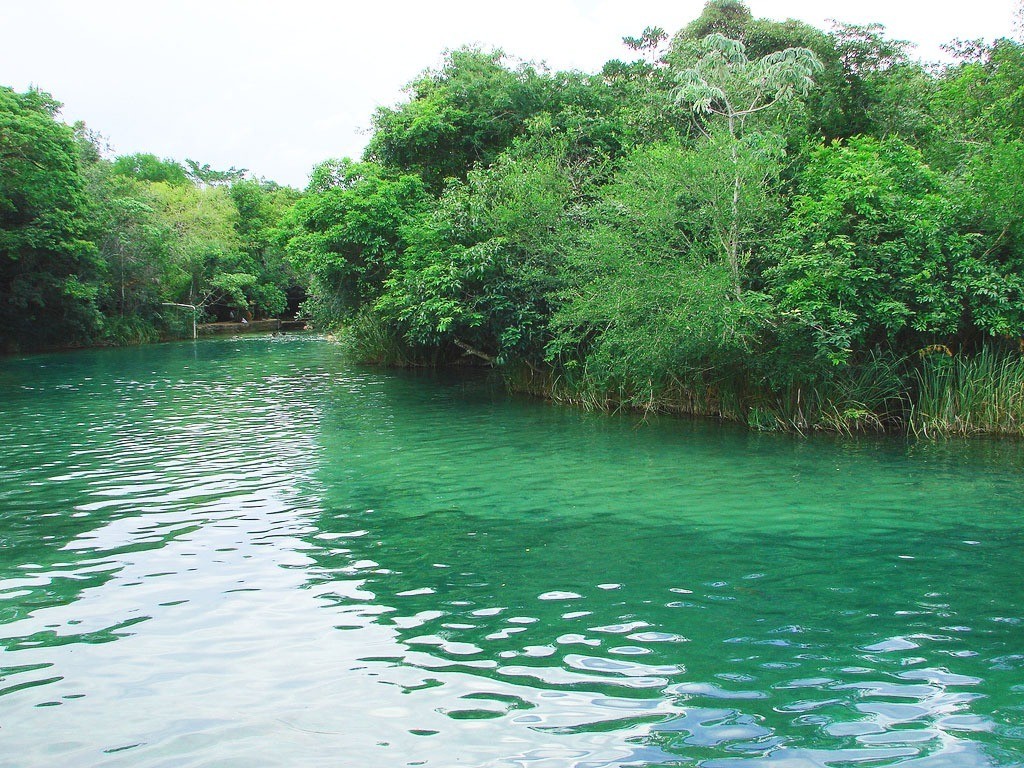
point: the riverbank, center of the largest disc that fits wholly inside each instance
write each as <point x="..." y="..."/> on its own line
<point x="937" y="396"/>
<point x="153" y="337"/>
<point x="255" y="326"/>
<point x="931" y="393"/>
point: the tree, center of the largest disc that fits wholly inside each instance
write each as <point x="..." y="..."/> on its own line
<point x="479" y="269"/>
<point x="648" y="43"/>
<point x="648" y="301"/>
<point x="346" y="234"/>
<point x="261" y="206"/>
<point x="148" y="167"/>
<point x="990" y="276"/>
<point x="463" y="114"/>
<point x="977" y="101"/>
<point x="49" y="271"/>
<point x="205" y="176"/>
<point x="728" y="18"/>
<point x="874" y="88"/>
<point x="725" y="84"/>
<point x="733" y="19"/>
<point x="205" y="250"/>
<point x="872" y="255"/>
<point x="134" y="242"/>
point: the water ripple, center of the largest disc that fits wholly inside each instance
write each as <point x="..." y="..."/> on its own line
<point x="242" y="550"/>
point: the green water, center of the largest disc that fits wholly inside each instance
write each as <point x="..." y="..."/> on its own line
<point x="244" y="552"/>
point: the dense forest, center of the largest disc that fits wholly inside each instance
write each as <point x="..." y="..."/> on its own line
<point x="758" y="220"/>
<point x="99" y="251"/>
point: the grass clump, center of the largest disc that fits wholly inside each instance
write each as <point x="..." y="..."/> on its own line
<point x="367" y="338"/>
<point x="966" y="395"/>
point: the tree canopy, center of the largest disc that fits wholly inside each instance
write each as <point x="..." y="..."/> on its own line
<point x="48" y="266"/>
<point x="730" y="219"/>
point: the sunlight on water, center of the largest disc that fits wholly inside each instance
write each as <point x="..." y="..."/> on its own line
<point x="246" y="552"/>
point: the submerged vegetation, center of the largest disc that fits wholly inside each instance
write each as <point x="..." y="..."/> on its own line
<point x="762" y="221"/>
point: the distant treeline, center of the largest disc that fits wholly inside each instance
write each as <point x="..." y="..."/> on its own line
<point x="758" y="220"/>
<point x="98" y="251"/>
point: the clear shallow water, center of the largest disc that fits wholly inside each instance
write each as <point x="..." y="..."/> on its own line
<point x="244" y="552"/>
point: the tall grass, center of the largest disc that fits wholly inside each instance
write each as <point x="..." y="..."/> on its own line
<point x="866" y="396"/>
<point x="128" y="330"/>
<point x="965" y="395"/>
<point x="694" y="395"/>
<point x="366" y="338"/>
<point x="930" y="397"/>
<point x="870" y="396"/>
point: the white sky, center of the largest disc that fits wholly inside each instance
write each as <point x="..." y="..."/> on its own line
<point x="276" y="86"/>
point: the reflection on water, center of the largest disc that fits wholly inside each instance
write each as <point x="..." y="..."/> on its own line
<point x="244" y="552"/>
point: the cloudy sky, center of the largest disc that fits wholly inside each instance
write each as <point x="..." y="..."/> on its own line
<point x="276" y="87"/>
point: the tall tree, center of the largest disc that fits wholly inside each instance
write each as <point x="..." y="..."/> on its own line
<point x="148" y="167"/>
<point x="48" y="269"/>
<point x="347" y="234"/>
<point x="465" y="113"/>
<point x="727" y="87"/>
<point x="205" y="250"/>
<point x="205" y="176"/>
<point x="261" y="207"/>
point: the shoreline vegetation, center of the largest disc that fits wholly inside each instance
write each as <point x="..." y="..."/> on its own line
<point x="959" y="396"/>
<point x="792" y="228"/>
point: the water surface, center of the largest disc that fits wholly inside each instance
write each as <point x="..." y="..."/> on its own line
<point x="246" y="552"/>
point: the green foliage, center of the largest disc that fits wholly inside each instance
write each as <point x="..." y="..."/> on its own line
<point x="653" y="302"/>
<point x="367" y="337"/>
<point x="147" y="167"/>
<point x="649" y="40"/>
<point x="724" y="82"/>
<point x="866" y="83"/>
<point x="866" y="395"/>
<point x="480" y="266"/>
<point x="721" y="262"/>
<point x="262" y="208"/>
<point x="728" y="18"/>
<point x="126" y="330"/>
<point x="872" y="255"/>
<point x="206" y="246"/>
<point x="133" y="241"/>
<point x="732" y="19"/>
<point x="961" y="395"/>
<point x="736" y="96"/>
<point x="48" y="269"/>
<point x="162" y="239"/>
<point x="760" y="221"/>
<point x="874" y="87"/>
<point x="202" y="175"/>
<point x="975" y="102"/>
<point x="460" y="115"/>
<point x="346" y="235"/>
<point x="991" y="276"/>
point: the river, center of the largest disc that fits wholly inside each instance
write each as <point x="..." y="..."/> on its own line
<point x="247" y="552"/>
